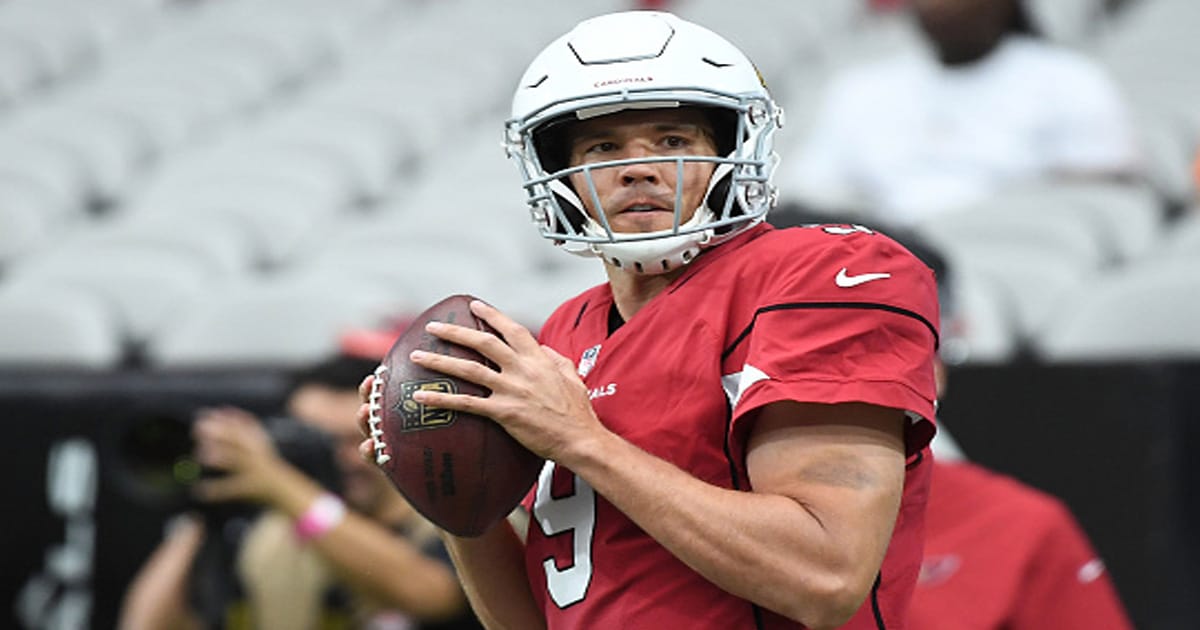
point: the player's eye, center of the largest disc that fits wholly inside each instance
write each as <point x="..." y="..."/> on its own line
<point x="676" y="142"/>
<point x="602" y="147"/>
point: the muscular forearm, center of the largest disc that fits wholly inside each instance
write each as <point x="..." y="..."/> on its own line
<point x="767" y="548"/>
<point x="492" y="570"/>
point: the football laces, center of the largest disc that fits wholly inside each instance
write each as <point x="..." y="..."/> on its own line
<point x="374" y="419"/>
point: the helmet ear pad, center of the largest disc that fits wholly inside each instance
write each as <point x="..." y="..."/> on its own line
<point x="718" y="195"/>
<point x="550" y="142"/>
<point x="571" y="206"/>
<point x="724" y="125"/>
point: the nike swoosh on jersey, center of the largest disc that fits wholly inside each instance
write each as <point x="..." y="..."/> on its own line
<point x="845" y="280"/>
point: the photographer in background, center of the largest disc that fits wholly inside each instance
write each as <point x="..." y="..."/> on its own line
<point x="309" y="558"/>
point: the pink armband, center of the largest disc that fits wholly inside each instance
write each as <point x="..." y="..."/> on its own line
<point x="325" y="512"/>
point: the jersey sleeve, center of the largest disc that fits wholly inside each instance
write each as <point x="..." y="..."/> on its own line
<point x="851" y="316"/>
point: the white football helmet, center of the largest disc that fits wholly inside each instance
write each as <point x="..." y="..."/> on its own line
<point x="645" y="60"/>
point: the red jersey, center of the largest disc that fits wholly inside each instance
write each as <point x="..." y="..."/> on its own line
<point x="823" y="314"/>
<point x="999" y="554"/>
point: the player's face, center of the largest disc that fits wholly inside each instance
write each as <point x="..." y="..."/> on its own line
<point x="641" y="197"/>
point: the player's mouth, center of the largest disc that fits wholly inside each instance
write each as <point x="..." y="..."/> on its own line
<point x="641" y="207"/>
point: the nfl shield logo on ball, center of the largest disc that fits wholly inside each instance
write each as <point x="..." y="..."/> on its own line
<point x="417" y="416"/>
<point x="588" y="360"/>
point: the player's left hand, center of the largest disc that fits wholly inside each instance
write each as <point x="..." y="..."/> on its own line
<point x="536" y="394"/>
<point x="235" y="442"/>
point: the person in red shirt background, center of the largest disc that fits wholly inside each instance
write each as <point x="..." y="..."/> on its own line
<point x="1000" y="554"/>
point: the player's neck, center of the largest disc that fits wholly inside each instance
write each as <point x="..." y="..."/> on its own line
<point x="631" y="291"/>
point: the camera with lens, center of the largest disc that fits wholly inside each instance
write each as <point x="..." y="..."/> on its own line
<point x="154" y="463"/>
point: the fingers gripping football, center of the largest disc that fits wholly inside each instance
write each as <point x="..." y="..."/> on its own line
<point x="535" y="393"/>
<point x="425" y="423"/>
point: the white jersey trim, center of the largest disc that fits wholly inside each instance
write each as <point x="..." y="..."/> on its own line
<point x="737" y="383"/>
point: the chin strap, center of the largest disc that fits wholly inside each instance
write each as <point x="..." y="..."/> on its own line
<point x="653" y="256"/>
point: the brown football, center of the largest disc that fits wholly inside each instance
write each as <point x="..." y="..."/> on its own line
<point x="461" y="471"/>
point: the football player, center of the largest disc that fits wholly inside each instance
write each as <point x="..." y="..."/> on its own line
<point x="736" y="423"/>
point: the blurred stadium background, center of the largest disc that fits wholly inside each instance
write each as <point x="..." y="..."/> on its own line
<point x="198" y="195"/>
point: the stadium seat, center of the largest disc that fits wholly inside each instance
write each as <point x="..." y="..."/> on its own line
<point x="1126" y="217"/>
<point x="52" y="46"/>
<point x="1034" y="284"/>
<point x="372" y="150"/>
<point x="1182" y="241"/>
<point x="1016" y="226"/>
<point x="471" y="192"/>
<point x="110" y="26"/>
<point x="1072" y="22"/>
<point x="775" y="57"/>
<point x="60" y="47"/>
<point x="218" y="242"/>
<point x="424" y="272"/>
<point x="278" y="218"/>
<point x="53" y="169"/>
<point x="1151" y="50"/>
<point x="170" y="112"/>
<point x="22" y="227"/>
<point x="851" y="37"/>
<point x="144" y="286"/>
<point x="109" y="148"/>
<point x="288" y="321"/>
<point x="1146" y="311"/>
<point x="246" y="68"/>
<point x="19" y="72"/>
<point x="308" y="170"/>
<point x="41" y="327"/>
<point x="28" y="218"/>
<point x="1169" y="142"/>
<point x="450" y="233"/>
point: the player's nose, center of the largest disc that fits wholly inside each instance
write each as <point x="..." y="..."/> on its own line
<point x="639" y="172"/>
